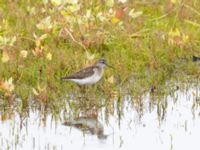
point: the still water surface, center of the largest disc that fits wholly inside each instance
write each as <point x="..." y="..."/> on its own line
<point x="174" y="125"/>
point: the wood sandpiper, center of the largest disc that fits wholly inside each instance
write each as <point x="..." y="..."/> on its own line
<point x="89" y="75"/>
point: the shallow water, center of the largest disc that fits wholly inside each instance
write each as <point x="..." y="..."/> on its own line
<point x="174" y="123"/>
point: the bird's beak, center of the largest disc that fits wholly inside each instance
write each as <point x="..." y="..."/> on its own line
<point x="110" y="66"/>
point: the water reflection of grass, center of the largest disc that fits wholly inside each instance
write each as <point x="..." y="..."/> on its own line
<point x="132" y="115"/>
<point x="41" y="42"/>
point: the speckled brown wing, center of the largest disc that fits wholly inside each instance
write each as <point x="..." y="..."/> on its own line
<point x="84" y="73"/>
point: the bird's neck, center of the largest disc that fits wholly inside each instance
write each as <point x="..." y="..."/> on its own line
<point x="100" y="69"/>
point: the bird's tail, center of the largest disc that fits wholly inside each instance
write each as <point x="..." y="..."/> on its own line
<point x="64" y="79"/>
<point x="195" y="58"/>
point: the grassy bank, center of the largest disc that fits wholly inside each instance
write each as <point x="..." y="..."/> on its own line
<point x="43" y="40"/>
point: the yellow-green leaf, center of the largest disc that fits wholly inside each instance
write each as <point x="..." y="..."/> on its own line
<point x="12" y="41"/>
<point x="134" y="14"/>
<point x="111" y="79"/>
<point x="175" y="1"/>
<point x="23" y="53"/>
<point x="115" y="20"/>
<point x="174" y="33"/>
<point x="89" y="56"/>
<point x="185" y="38"/>
<point x="58" y="2"/>
<point x="49" y="56"/>
<point x="35" y="92"/>
<point x="5" y="57"/>
<point x="109" y="3"/>
<point x="45" y="24"/>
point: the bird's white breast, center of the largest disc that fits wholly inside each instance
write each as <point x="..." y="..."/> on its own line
<point x="91" y="79"/>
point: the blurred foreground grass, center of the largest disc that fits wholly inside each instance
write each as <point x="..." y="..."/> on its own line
<point x="149" y="42"/>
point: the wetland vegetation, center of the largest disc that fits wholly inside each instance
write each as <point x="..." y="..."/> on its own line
<point x="148" y="43"/>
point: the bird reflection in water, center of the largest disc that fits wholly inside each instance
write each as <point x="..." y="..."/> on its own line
<point x="88" y="125"/>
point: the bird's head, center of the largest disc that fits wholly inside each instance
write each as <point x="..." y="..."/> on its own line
<point x="102" y="63"/>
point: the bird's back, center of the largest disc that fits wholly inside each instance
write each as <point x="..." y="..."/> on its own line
<point x="84" y="73"/>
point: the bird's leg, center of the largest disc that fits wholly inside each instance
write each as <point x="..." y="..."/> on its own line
<point x="82" y="89"/>
<point x="87" y="91"/>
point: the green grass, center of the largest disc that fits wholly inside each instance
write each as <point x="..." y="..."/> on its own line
<point x="146" y="46"/>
